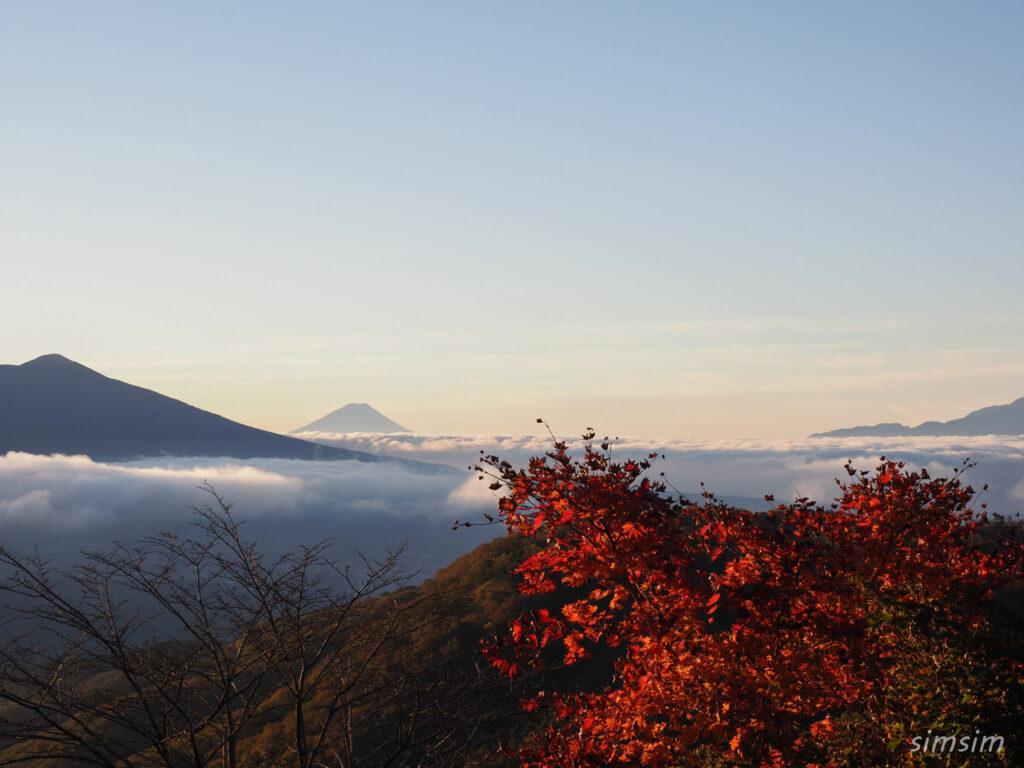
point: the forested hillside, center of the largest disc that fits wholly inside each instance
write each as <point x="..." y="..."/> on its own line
<point x="399" y="681"/>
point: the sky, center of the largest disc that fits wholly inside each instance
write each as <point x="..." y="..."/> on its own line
<point x="683" y="220"/>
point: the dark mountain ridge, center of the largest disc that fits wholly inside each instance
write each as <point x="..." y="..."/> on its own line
<point x="992" y="420"/>
<point x="55" y="405"/>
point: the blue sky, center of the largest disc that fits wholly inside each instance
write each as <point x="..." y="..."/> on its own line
<point x="673" y="219"/>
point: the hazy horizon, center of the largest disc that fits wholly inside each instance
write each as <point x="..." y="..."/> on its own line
<point x="679" y="221"/>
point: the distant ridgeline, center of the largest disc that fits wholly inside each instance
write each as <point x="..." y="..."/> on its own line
<point x="54" y="405"/>
<point x="994" y="420"/>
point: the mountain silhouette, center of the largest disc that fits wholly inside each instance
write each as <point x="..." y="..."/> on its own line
<point x="55" y="405"/>
<point x="993" y="420"/>
<point x="354" y="417"/>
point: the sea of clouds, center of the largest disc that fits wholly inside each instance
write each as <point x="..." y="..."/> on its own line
<point x="64" y="504"/>
<point x="746" y="469"/>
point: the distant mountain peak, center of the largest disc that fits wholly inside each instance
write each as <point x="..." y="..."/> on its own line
<point x="354" y="417"/>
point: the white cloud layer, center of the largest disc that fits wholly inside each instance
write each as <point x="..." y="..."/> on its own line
<point x="67" y="503"/>
<point x="746" y="469"/>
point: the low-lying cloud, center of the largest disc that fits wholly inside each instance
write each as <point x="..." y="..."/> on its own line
<point x="746" y="469"/>
<point x="67" y="503"/>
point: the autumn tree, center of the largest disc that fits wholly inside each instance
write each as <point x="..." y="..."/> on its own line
<point x="804" y="636"/>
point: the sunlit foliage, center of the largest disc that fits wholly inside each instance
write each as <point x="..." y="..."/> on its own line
<point x="805" y="636"/>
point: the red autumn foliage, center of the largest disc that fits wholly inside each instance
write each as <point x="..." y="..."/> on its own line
<point x="804" y="636"/>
